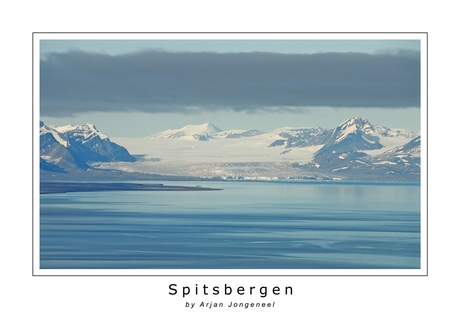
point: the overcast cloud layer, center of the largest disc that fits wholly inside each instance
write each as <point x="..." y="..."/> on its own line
<point x="155" y="81"/>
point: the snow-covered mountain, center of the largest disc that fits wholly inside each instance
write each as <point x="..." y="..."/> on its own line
<point x="203" y="132"/>
<point x="353" y="135"/>
<point x="68" y="148"/>
<point x="399" y="163"/>
<point x="412" y="148"/>
<point x="233" y="134"/>
<point x="359" y="147"/>
<point x="190" y="132"/>
<point x="300" y="137"/>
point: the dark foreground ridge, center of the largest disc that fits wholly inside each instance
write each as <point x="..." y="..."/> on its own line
<point x="62" y="187"/>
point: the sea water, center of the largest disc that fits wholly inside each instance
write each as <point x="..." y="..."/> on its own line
<point x="247" y="225"/>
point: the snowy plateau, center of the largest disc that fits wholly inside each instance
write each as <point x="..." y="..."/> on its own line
<point x="354" y="150"/>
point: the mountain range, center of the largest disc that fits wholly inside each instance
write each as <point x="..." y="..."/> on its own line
<point x="354" y="150"/>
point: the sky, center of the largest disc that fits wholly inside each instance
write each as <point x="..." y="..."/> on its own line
<point x="133" y="85"/>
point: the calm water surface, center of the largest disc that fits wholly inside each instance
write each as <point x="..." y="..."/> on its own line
<point x="247" y="225"/>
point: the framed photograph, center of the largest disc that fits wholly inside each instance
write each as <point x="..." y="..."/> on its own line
<point x="241" y="154"/>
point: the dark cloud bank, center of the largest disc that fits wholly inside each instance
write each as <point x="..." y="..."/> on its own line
<point x="156" y="81"/>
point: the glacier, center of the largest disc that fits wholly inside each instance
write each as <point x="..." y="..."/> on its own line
<point x="354" y="150"/>
<point x="365" y="151"/>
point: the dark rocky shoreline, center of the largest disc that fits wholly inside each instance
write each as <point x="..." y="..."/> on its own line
<point x="62" y="187"/>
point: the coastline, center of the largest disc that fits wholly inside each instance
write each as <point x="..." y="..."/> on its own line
<point x="63" y="187"/>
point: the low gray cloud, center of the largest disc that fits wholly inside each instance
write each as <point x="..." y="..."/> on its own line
<point x="156" y="81"/>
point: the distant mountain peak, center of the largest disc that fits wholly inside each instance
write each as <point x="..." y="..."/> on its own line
<point x="207" y="128"/>
<point x="412" y="147"/>
<point x="356" y="123"/>
<point x="76" y="147"/>
<point x="87" y="130"/>
<point x="354" y="135"/>
<point x="357" y="120"/>
<point x="191" y="132"/>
